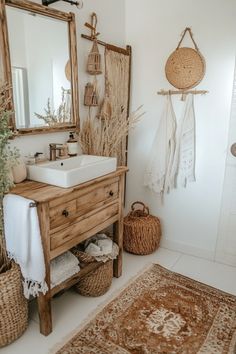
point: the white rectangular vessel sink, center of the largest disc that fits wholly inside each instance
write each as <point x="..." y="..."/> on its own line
<point x="72" y="171"/>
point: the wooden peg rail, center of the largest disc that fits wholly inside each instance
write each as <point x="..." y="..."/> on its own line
<point x="181" y="92"/>
<point x="120" y="50"/>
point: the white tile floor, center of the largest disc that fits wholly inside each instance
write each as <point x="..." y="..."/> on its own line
<point x="70" y="309"/>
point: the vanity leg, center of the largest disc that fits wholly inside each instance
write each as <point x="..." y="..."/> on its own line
<point x="118" y="238"/>
<point x="45" y="314"/>
<point x="118" y="231"/>
<point x="44" y="301"/>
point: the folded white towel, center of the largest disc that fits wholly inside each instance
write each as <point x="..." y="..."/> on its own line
<point x="63" y="267"/>
<point x="99" y="246"/>
<point x="93" y="250"/>
<point x="105" y="246"/>
<point x="23" y="242"/>
<point x="64" y="275"/>
<point x="95" y="238"/>
<point x="102" y="248"/>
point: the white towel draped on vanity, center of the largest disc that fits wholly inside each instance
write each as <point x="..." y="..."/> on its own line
<point x="23" y="242"/>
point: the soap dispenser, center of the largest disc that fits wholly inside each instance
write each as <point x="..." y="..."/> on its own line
<point x="72" y="145"/>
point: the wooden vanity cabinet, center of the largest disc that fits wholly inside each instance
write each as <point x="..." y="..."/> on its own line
<point x="69" y="216"/>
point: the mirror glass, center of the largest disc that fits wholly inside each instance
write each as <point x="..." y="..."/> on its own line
<point x="41" y="77"/>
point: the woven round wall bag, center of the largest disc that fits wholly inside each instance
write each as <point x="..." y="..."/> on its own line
<point x="185" y="67"/>
<point x="142" y="231"/>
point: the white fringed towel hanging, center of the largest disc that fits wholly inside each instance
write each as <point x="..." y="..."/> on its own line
<point x="23" y="242"/>
<point x="183" y="168"/>
<point x="157" y="174"/>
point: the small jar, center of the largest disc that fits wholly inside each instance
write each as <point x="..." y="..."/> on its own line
<point x="72" y="145"/>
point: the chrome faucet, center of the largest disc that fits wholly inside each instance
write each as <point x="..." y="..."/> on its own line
<point x="53" y="148"/>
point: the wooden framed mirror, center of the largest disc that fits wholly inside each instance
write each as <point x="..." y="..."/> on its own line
<point x="38" y="59"/>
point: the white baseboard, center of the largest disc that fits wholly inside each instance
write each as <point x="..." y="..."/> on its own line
<point x="225" y="258"/>
<point x="187" y="249"/>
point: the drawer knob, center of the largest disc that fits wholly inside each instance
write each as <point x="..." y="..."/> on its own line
<point x="65" y="213"/>
<point x="111" y="193"/>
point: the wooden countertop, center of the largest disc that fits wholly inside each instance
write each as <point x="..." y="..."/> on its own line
<point x="42" y="192"/>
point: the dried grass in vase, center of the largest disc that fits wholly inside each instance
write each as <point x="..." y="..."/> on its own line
<point x="103" y="137"/>
<point x="62" y="115"/>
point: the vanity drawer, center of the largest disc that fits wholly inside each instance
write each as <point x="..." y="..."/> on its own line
<point x="83" y="228"/>
<point x="82" y="191"/>
<point x="66" y="210"/>
<point x="62" y="214"/>
<point x="96" y="198"/>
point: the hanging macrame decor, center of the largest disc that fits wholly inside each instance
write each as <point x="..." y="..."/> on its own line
<point x="94" y="66"/>
<point x="185" y="67"/>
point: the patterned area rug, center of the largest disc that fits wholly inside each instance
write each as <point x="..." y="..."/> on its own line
<point x="161" y="312"/>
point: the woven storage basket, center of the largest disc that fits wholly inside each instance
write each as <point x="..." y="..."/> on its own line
<point x="13" y="306"/>
<point x="142" y="231"/>
<point x="98" y="281"/>
<point x="185" y="67"/>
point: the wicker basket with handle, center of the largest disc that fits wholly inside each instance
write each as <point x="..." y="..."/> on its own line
<point x="142" y="231"/>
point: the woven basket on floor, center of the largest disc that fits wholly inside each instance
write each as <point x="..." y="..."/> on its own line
<point x="98" y="281"/>
<point x="142" y="231"/>
<point x="13" y="306"/>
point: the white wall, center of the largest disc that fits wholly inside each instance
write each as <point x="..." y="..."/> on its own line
<point x="111" y="25"/>
<point x="189" y="216"/>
